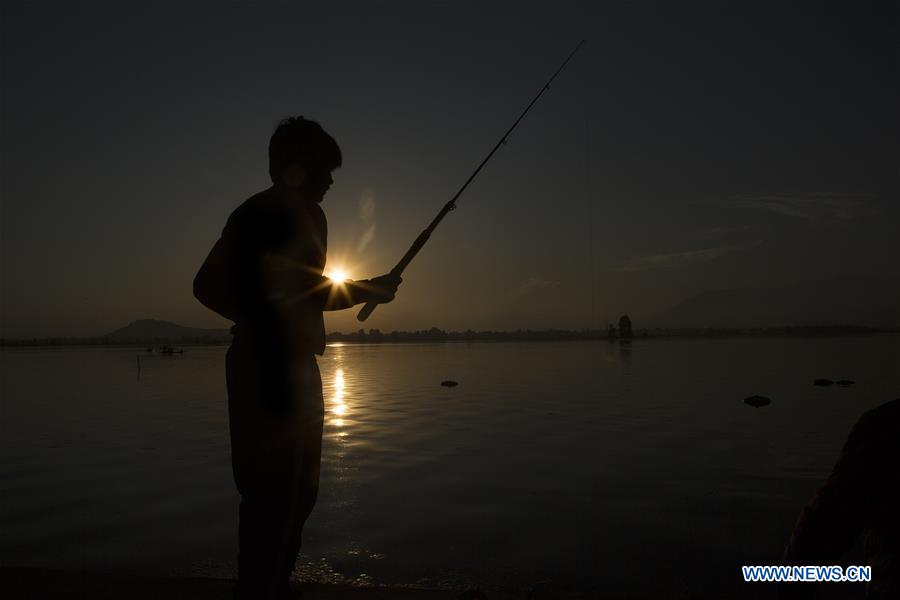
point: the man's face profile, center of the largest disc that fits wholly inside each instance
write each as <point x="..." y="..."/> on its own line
<point x="312" y="183"/>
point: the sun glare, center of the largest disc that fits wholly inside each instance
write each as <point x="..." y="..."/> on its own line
<point x="337" y="275"/>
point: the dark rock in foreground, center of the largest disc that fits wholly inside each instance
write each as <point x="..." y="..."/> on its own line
<point x="47" y="584"/>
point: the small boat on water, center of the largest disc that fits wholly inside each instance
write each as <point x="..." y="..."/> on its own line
<point x="757" y="401"/>
<point x="823" y="382"/>
<point x="169" y="350"/>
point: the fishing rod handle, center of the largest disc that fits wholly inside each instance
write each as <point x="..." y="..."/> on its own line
<point x="366" y="311"/>
<point x="369" y="307"/>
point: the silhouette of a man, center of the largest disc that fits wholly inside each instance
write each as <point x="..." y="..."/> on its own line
<point x="265" y="274"/>
<point x="862" y="495"/>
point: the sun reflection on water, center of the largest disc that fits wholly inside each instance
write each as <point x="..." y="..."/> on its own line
<point x="338" y="405"/>
<point x="338" y="396"/>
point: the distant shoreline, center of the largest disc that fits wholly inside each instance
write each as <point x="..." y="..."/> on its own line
<point x="375" y="336"/>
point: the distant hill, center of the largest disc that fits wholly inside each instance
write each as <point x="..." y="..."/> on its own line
<point x="869" y="302"/>
<point x="154" y="331"/>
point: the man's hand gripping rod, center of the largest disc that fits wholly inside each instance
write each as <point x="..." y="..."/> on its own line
<point x="423" y="237"/>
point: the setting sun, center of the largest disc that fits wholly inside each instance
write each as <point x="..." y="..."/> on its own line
<point x="337" y="275"/>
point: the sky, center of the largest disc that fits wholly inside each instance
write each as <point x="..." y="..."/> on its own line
<point x="689" y="146"/>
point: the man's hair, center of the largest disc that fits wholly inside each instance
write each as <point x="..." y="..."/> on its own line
<point x="301" y="141"/>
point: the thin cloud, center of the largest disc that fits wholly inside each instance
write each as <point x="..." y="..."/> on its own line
<point x="367" y="216"/>
<point x="675" y="260"/>
<point x="811" y="206"/>
<point x="531" y="286"/>
<point x="711" y="233"/>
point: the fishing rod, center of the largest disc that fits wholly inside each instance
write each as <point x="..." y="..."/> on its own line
<point x="451" y="205"/>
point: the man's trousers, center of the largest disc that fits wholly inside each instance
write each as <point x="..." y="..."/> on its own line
<point x="275" y="410"/>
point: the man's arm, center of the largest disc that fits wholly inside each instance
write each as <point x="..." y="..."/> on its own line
<point x="287" y="283"/>
<point x="213" y="282"/>
<point x="346" y="294"/>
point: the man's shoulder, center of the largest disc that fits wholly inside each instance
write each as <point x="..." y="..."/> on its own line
<point x="255" y="204"/>
<point x="250" y="212"/>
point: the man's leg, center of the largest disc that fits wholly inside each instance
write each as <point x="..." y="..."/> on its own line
<point x="262" y="449"/>
<point x="303" y="497"/>
<point x="307" y="456"/>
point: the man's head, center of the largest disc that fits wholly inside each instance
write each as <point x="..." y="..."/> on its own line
<point x="302" y="156"/>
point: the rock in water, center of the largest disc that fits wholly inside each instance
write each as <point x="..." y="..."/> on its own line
<point x="449" y="383"/>
<point x="757" y="401"/>
<point x="823" y="382"/>
<point x="845" y="382"/>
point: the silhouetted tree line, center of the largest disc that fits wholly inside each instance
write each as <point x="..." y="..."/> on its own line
<point x="439" y="335"/>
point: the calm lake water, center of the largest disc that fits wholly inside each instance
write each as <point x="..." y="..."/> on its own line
<point x="553" y="465"/>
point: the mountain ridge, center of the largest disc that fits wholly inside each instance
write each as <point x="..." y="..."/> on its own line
<point x="156" y="330"/>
